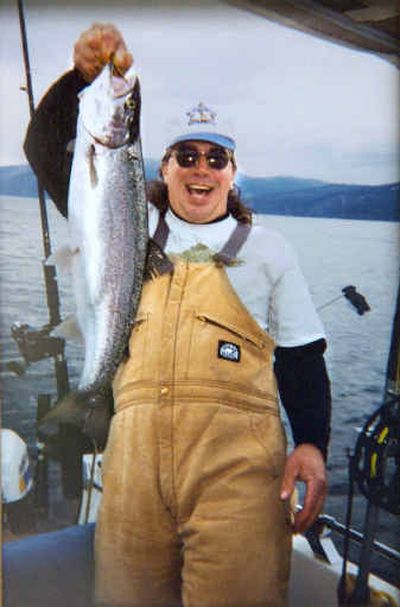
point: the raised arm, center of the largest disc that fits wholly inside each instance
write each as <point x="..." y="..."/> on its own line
<point x="50" y="136"/>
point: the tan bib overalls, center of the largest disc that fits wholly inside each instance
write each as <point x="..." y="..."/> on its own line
<point x="191" y="513"/>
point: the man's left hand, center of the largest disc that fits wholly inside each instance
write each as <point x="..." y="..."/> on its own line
<point x="305" y="464"/>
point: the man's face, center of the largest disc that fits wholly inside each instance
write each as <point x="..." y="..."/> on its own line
<point x="199" y="193"/>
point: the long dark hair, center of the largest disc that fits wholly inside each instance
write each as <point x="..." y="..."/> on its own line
<point x="157" y="194"/>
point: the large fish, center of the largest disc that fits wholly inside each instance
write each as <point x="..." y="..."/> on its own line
<point x="107" y="216"/>
<point x="110" y="253"/>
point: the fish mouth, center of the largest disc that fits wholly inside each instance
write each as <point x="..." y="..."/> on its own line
<point x="199" y="189"/>
<point x="122" y="84"/>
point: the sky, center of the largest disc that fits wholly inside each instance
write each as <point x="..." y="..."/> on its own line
<point x="297" y="105"/>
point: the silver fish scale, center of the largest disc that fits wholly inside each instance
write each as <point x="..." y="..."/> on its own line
<point x="127" y="228"/>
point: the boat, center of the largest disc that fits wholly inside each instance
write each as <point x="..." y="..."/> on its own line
<point x="369" y="25"/>
<point x="322" y="575"/>
<point x="56" y="568"/>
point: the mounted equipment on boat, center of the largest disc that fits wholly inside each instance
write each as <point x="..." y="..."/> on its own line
<point x="375" y="467"/>
<point x="35" y="344"/>
<point x="377" y="458"/>
<point x="356" y="300"/>
<point x="16" y="471"/>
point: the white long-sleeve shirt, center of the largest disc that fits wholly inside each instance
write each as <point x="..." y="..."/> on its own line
<point x="268" y="278"/>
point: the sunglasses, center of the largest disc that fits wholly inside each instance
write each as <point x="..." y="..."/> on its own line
<point x="187" y="158"/>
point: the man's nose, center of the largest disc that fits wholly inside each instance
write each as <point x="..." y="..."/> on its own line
<point x="202" y="162"/>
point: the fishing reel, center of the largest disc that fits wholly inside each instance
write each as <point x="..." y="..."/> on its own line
<point x="36" y="344"/>
<point x="376" y="463"/>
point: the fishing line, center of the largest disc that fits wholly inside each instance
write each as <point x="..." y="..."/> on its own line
<point x="91" y="482"/>
<point x="342" y="586"/>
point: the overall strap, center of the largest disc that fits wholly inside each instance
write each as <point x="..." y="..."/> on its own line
<point x="226" y="255"/>
<point x="157" y="262"/>
<point x="160" y="236"/>
<point x="231" y="248"/>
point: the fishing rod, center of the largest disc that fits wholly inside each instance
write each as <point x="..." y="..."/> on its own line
<point x="37" y="344"/>
<point x="53" y="301"/>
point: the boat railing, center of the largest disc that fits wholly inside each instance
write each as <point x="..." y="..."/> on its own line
<point x="354" y="535"/>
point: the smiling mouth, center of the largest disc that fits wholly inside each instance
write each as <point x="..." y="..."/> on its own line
<point x="199" y="189"/>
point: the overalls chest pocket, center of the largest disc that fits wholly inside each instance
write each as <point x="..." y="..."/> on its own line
<point x="230" y="350"/>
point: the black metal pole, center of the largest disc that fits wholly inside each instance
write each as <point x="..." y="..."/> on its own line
<point x="41" y="494"/>
<point x="53" y="301"/>
<point x="392" y="387"/>
<point x="71" y="465"/>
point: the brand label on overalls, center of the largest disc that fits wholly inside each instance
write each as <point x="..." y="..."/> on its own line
<point x="228" y="351"/>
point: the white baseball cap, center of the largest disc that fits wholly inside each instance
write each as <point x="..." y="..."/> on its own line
<point x="202" y="125"/>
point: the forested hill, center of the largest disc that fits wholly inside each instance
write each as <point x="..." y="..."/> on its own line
<point x="312" y="198"/>
<point x="271" y="195"/>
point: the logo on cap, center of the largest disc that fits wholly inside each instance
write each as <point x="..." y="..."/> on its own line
<point x="201" y="114"/>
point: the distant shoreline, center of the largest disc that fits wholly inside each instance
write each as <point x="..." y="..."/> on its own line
<point x="288" y="196"/>
<point x="33" y="199"/>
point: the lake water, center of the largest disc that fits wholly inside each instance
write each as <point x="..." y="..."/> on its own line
<point x="333" y="253"/>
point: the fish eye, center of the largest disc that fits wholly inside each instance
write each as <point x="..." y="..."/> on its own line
<point x="130" y="104"/>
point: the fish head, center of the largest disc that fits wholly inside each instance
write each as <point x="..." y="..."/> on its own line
<point x="109" y="108"/>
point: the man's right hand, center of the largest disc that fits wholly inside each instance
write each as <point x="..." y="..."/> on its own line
<point x="96" y="47"/>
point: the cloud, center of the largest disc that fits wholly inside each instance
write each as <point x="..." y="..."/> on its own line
<point x="294" y="100"/>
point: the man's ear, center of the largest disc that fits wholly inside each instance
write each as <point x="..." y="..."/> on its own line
<point x="164" y="171"/>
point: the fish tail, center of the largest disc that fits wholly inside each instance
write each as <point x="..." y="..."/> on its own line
<point x="88" y="411"/>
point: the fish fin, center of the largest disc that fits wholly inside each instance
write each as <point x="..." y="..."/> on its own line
<point x="90" y="412"/>
<point x="157" y="262"/>
<point x="71" y="409"/>
<point x="62" y="258"/>
<point x="69" y="329"/>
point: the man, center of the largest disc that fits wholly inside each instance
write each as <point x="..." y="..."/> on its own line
<point x="196" y="503"/>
